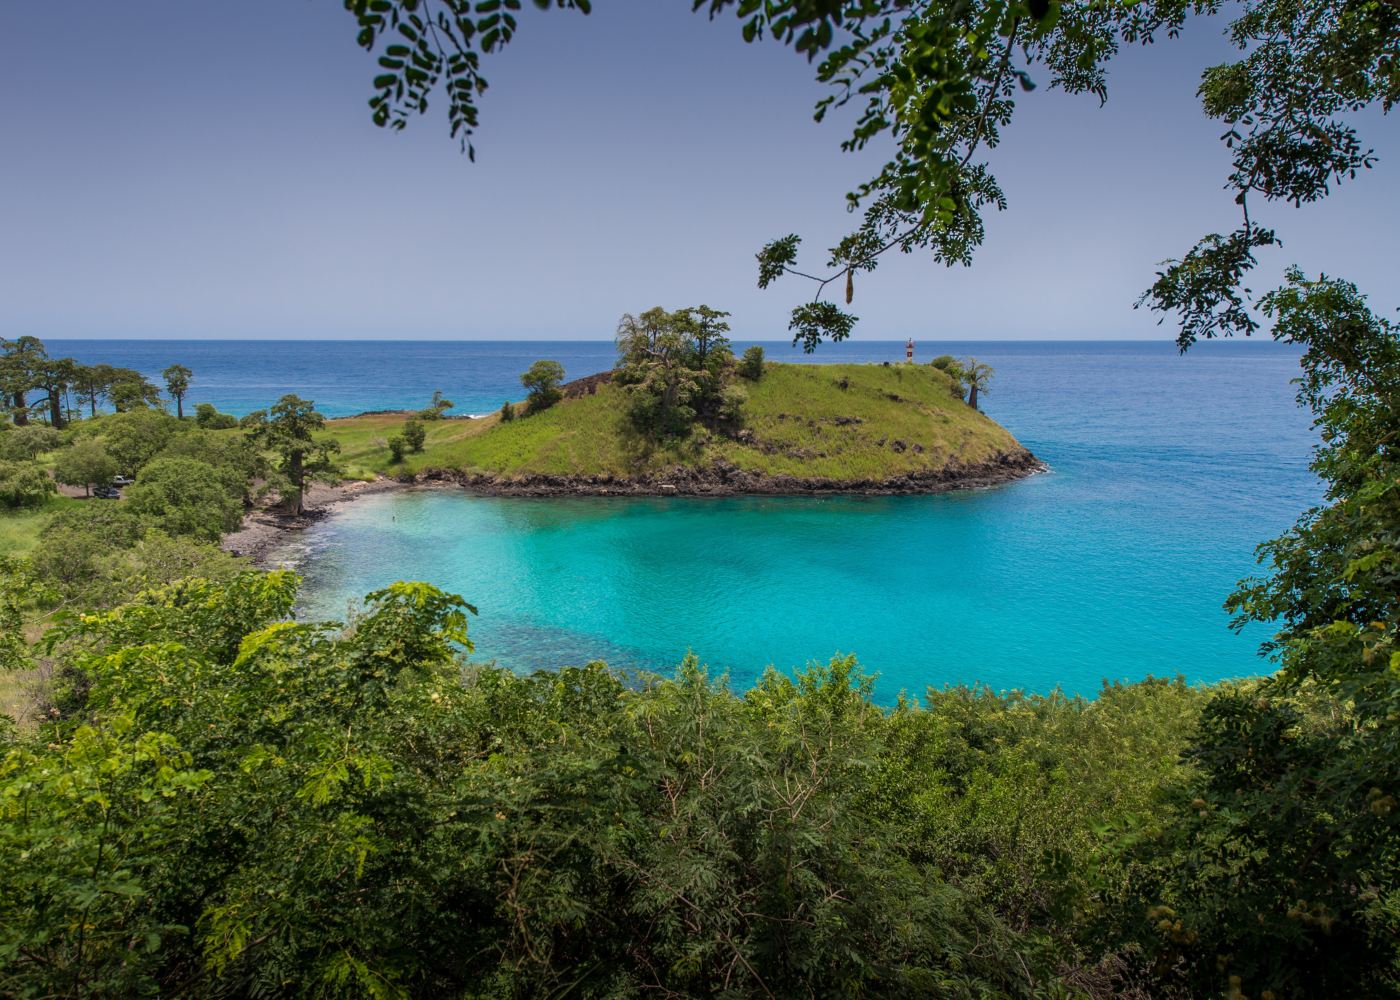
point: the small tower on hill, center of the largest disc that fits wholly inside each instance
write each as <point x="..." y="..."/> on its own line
<point x="909" y="351"/>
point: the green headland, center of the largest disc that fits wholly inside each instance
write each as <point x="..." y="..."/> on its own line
<point x="801" y="428"/>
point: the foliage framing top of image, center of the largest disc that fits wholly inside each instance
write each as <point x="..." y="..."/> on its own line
<point x="937" y="81"/>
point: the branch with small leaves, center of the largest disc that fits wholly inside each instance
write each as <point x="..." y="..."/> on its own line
<point x="1289" y="104"/>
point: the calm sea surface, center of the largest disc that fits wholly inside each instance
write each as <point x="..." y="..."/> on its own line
<point x="1167" y="471"/>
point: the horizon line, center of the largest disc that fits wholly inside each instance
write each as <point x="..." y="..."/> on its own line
<point x="543" y="340"/>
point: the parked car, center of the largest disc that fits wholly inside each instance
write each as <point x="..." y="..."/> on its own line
<point x="107" y="492"/>
<point x="122" y="480"/>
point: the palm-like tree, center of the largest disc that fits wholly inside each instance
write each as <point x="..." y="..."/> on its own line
<point x="177" y="383"/>
<point x="976" y="376"/>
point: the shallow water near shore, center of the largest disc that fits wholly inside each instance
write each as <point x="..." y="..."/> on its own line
<point x="1166" y="473"/>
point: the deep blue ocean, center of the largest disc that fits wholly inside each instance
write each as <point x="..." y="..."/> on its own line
<point x="1167" y="471"/>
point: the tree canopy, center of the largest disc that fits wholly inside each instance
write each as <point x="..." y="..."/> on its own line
<point x="289" y="429"/>
<point x="86" y="464"/>
<point x="542" y="381"/>
<point x="177" y="383"/>
<point x="678" y="369"/>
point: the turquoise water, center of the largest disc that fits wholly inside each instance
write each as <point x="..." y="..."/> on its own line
<point x="1167" y="471"/>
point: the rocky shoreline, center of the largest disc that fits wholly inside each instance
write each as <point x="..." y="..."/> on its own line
<point x="263" y="529"/>
<point x="724" y="480"/>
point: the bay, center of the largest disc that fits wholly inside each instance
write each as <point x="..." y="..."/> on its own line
<point x="1166" y="472"/>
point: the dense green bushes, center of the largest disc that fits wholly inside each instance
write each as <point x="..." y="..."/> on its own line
<point x="264" y="807"/>
<point x="23" y="484"/>
<point x="184" y="496"/>
<point x="751" y="364"/>
<point x="192" y="487"/>
<point x="207" y="417"/>
<point x="27" y="442"/>
<point x="1278" y="868"/>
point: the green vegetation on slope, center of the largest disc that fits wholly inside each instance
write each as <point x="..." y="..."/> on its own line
<point x="573" y="833"/>
<point x="21" y="527"/>
<point x="819" y="421"/>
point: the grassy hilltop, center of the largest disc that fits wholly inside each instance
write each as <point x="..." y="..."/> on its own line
<point x="842" y="423"/>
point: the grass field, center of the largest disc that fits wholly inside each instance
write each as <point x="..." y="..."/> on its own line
<point x="19" y="529"/>
<point x="820" y="421"/>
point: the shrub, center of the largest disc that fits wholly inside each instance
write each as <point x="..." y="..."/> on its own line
<point x="729" y="409"/>
<point x="86" y="464"/>
<point x="111" y="521"/>
<point x="210" y="419"/>
<point x="659" y="403"/>
<point x="414" y="434"/>
<point x="23" y="443"/>
<point x="184" y="496"/>
<point x="751" y="364"/>
<point x="24" y="484"/>
<point x="952" y="367"/>
<point x="396" y="448"/>
<point x="542" y="380"/>
<point x="438" y="409"/>
<point x="507" y="412"/>
<point x="72" y="545"/>
<point x="158" y="560"/>
<point x="236" y="459"/>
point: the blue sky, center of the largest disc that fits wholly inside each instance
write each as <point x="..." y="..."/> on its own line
<point x="177" y="169"/>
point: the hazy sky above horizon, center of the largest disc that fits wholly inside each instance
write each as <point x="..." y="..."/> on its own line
<point x="176" y="169"/>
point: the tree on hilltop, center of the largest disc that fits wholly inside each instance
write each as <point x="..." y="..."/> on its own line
<point x="677" y="368"/>
<point x="706" y="329"/>
<point x="438" y="408"/>
<point x="976" y="376"/>
<point x="542" y="381"/>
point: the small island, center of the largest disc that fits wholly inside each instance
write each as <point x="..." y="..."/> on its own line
<point x="801" y="429"/>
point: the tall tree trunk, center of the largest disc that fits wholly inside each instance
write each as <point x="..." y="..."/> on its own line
<point x="21" y="410"/>
<point x="972" y="395"/>
<point x="296" y="473"/>
<point x="56" y="410"/>
<point x="180" y="407"/>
